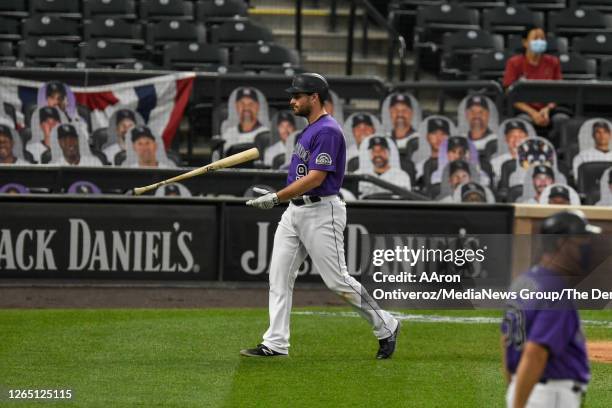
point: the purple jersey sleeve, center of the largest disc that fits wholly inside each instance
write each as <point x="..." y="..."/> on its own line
<point x="324" y="153"/>
<point x="553" y="329"/>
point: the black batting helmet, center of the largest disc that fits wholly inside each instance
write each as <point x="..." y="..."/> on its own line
<point x="309" y="82"/>
<point x="568" y="222"/>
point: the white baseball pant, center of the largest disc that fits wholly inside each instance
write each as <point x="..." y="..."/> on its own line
<point x="317" y="230"/>
<point x="553" y="394"/>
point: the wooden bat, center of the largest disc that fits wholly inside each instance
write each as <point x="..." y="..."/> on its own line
<point x="229" y="161"/>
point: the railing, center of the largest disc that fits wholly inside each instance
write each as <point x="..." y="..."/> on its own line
<point x="397" y="43"/>
<point x="116" y="180"/>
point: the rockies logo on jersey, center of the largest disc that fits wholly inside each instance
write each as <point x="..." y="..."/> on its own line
<point x="323" y="159"/>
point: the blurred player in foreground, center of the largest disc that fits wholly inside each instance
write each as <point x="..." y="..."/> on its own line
<point x="314" y="224"/>
<point x="545" y="359"/>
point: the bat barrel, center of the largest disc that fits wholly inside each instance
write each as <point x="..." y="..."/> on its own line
<point x="247" y="155"/>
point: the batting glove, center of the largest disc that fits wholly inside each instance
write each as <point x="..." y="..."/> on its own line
<point x="266" y="201"/>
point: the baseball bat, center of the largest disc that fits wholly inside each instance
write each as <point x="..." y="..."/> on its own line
<point x="229" y="161"/>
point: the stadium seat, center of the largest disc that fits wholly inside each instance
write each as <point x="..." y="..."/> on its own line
<point x="139" y="66"/>
<point x="263" y="56"/>
<point x="240" y="32"/>
<point x="278" y="161"/>
<point x="58" y="8"/>
<point x="10" y="29"/>
<point x="114" y="30"/>
<point x="514" y="193"/>
<point x="605" y="70"/>
<point x="193" y="56"/>
<point x="568" y="140"/>
<point x="402" y="14"/>
<point x="459" y="47"/>
<point x="107" y="53"/>
<point x="597" y="45"/>
<point x="432" y="22"/>
<point x="51" y="28"/>
<point x="14" y="8"/>
<point x="241" y="147"/>
<point x="41" y="51"/>
<point x="511" y="19"/>
<point x="429" y="167"/>
<point x="6" y="51"/>
<point x="169" y="31"/>
<point x="79" y="64"/>
<point x="574" y="22"/>
<point x="125" y="9"/>
<point x="489" y="66"/>
<point x="543" y="5"/>
<point x="481" y="4"/>
<point x="414" y="4"/>
<point x="154" y="10"/>
<point x="352" y="164"/>
<point x="382" y="196"/>
<point x="506" y="171"/>
<point x="287" y="70"/>
<point x="574" y="66"/>
<point x="556" y="45"/>
<point x="600" y="5"/>
<point x="214" y="11"/>
<point x="589" y="175"/>
<point x="408" y="165"/>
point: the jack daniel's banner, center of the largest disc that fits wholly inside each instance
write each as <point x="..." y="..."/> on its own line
<point x="249" y="234"/>
<point x="123" y="240"/>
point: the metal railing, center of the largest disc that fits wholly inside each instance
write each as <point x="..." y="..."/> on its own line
<point x="397" y="43"/>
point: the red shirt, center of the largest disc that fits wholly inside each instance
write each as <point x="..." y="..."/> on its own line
<point x="517" y="67"/>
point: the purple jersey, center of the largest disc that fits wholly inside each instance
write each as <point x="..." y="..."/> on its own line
<point x="320" y="146"/>
<point x="556" y="328"/>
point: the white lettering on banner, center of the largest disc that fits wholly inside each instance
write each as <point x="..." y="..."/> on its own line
<point x="20" y="253"/>
<point x="121" y="250"/>
<point x="353" y="234"/>
<point x="126" y="246"/>
<point x="14" y="256"/>
<point x="6" y="250"/>
<point x="184" y="250"/>
<point x="354" y="231"/>
<point x="262" y="252"/>
<point x="75" y="225"/>
<point x="152" y="251"/>
<point x="44" y="255"/>
<point x="90" y="249"/>
<point x="99" y="254"/>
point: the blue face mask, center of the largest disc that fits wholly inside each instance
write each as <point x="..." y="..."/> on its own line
<point x="538" y="46"/>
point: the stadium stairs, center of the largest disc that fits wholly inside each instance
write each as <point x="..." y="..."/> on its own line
<point x="324" y="50"/>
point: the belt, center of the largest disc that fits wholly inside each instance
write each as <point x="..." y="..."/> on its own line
<point x="311" y="199"/>
<point x="577" y="386"/>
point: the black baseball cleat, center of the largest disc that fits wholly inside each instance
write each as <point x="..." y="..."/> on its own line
<point x="261" y="351"/>
<point x="387" y="346"/>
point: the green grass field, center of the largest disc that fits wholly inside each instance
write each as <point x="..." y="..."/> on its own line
<point x="189" y="358"/>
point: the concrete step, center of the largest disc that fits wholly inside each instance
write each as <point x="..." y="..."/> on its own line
<point x="315" y="19"/>
<point x="315" y="40"/>
<point x="315" y="4"/>
<point x="335" y="64"/>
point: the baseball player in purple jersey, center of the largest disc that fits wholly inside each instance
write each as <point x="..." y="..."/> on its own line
<point x="545" y="356"/>
<point x="314" y="223"/>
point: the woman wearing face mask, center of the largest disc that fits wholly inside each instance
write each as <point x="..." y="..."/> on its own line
<point x="535" y="64"/>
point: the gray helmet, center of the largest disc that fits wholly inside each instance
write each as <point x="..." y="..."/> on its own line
<point x="309" y="82"/>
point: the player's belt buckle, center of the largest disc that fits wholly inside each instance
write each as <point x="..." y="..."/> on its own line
<point x="306" y="200"/>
